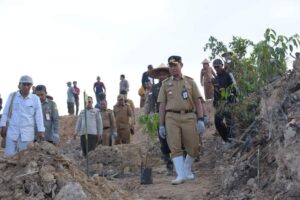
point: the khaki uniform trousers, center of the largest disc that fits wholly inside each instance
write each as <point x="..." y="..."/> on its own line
<point x="106" y="136"/>
<point x="182" y="133"/>
<point x="123" y="136"/>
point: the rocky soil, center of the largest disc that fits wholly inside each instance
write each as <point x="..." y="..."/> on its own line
<point x="262" y="163"/>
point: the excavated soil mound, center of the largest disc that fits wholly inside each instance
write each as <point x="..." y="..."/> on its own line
<point x="264" y="163"/>
<point x="41" y="172"/>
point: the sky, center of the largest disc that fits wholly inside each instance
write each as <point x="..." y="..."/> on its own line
<point x="65" y="40"/>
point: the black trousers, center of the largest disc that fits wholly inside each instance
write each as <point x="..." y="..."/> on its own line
<point x="224" y="129"/>
<point x="77" y="105"/>
<point x="92" y="143"/>
<point x="70" y="108"/>
<point x="165" y="150"/>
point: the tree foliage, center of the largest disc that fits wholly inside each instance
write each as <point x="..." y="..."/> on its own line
<point x="256" y="64"/>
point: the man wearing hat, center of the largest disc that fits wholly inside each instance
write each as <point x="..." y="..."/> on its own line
<point x="70" y="98"/>
<point x="50" y="115"/>
<point x="123" y="113"/>
<point x="181" y="118"/>
<point x="223" y="83"/>
<point x="152" y="106"/>
<point x="206" y="76"/>
<point x="23" y="110"/>
<point x="296" y="63"/>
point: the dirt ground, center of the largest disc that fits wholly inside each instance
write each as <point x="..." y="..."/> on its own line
<point x="262" y="163"/>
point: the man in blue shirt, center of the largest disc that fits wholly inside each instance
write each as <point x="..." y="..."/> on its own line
<point x="24" y="115"/>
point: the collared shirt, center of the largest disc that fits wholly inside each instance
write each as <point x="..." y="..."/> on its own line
<point x="94" y="122"/>
<point x="70" y="95"/>
<point x="171" y="93"/>
<point x="51" y="121"/>
<point x="122" y="114"/>
<point x="124" y="85"/>
<point x="108" y="120"/>
<point x="26" y="114"/>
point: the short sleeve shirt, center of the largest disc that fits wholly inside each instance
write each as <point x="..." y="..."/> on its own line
<point x="171" y="93"/>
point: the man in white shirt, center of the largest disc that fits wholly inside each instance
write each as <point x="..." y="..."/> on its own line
<point x="24" y="111"/>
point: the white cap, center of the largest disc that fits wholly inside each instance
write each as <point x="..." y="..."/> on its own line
<point x="26" y="79"/>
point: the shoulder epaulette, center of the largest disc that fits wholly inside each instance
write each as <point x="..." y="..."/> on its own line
<point x="167" y="79"/>
<point x="187" y="77"/>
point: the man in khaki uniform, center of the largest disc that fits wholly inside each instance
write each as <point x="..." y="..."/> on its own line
<point x="122" y="113"/>
<point x="132" y="119"/>
<point x="181" y="117"/>
<point x="109" y="124"/>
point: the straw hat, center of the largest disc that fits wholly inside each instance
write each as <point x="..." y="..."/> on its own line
<point x="205" y="61"/>
<point x="155" y="72"/>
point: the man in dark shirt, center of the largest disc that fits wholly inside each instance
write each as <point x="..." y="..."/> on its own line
<point x="76" y="96"/>
<point x="146" y="77"/>
<point x="99" y="88"/>
<point x="160" y="73"/>
<point x="224" y="96"/>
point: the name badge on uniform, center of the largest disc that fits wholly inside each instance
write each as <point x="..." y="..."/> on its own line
<point x="47" y="116"/>
<point x="184" y="94"/>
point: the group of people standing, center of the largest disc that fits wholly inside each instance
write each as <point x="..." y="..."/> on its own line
<point x="103" y="125"/>
<point x="28" y="117"/>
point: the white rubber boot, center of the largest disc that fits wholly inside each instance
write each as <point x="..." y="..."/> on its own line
<point x="178" y="163"/>
<point x="188" y="167"/>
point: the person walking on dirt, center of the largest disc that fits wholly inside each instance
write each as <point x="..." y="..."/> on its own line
<point x="223" y="84"/>
<point x="132" y="118"/>
<point x="109" y="124"/>
<point x="70" y="98"/>
<point x="181" y="118"/>
<point x="76" y="96"/>
<point x="296" y="62"/>
<point x="122" y="112"/>
<point x="160" y="73"/>
<point x="50" y="116"/>
<point x="23" y="110"/>
<point x="206" y="76"/>
<point x="93" y="125"/>
<point x="99" y="88"/>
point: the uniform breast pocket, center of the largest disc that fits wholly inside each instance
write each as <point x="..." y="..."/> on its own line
<point x="29" y="109"/>
<point x="170" y="93"/>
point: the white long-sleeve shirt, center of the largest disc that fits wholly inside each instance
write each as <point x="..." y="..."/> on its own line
<point x="94" y="122"/>
<point x="26" y="114"/>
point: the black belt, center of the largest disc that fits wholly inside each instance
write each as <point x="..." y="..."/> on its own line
<point x="106" y="128"/>
<point x="180" y="111"/>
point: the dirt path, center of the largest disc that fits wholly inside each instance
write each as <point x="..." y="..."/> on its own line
<point x="207" y="180"/>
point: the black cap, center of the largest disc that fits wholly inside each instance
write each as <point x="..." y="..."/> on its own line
<point x="174" y="59"/>
<point x="150" y="67"/>
<point x="40" y="88"/>
<point x="217" y="62"/>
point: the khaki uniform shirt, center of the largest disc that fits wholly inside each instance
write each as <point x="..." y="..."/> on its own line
<point x="171" y="93"/>
<point x="108" y="120"/>
<point x="122" y="114"/>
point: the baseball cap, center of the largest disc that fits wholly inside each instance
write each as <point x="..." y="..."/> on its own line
<point x="26" y="79"/>
<point x="174" y="59"/>
<point x="40" y="88"/>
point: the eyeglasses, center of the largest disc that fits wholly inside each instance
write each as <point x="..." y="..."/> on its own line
<point x="26" y="84"/>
